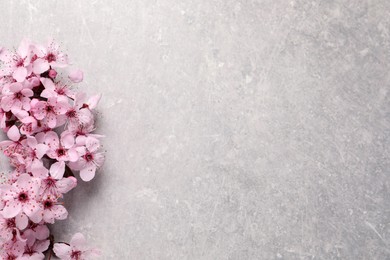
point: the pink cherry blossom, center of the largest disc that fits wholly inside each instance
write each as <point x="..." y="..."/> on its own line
<point x="50" y="110"/>
<point x="90" y="159"/>
<point x="22" y="197"/>
<point x="50" y="131"/>
<point x="76" y="250"/>
<point x="34" y="249"/>
<point x="16" y="97"/>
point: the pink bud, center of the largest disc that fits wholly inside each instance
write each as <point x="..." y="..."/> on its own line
<point x="76" y="76"/>
<point x="52" y="73"/>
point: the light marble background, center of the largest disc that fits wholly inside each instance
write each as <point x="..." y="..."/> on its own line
<point x="235" y="129"/>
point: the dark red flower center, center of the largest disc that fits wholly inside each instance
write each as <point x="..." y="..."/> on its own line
<point x="61" y="152"/>
<point x="49" y="109"/>
<point x="23" y="197"/>
<point x="18" y="95"/>
<point x="71" y="113"/>
<point x="48" y="204"/>
<point x="51" y="57"/>
<point x="76" y="255"/>
<point x="88" y="157"/>
<point x="10" y="223"/>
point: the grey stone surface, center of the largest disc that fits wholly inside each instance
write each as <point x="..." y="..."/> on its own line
<point x="235" y="129"/>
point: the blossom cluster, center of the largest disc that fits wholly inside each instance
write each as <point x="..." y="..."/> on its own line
<point x="50" y="129"/>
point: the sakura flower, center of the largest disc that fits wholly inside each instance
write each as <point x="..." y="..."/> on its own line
<point x="29" y="125"/>
<point x="50" y="110"/>
<point x="17" y="64"/>
<point x="62" y="150"/>
<point x="90" y="159"/>
<point x="34" y="249"/>
<point x="12" y="250"/>
<point x="15" y="97"/>
<point x="33" y="102"/>
<point x="55" y="188"/>
<point x="21" y="197"/>
<point x="56" y="89"/>
<point x="36" y="231"/>
<point x="52" y="210"/>
<point x="76" y="250"/>
<point x="49" y="56"/>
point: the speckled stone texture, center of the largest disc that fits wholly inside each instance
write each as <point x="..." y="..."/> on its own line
<point x="234" y="129"/>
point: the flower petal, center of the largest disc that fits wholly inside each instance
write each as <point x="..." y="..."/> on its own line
<point x="40" y="150"/>
<point x="76" y="76"/>
<point x="13" y="133"/>
<point x="11" y="209"/>
<point x="40" y="66"/>
<point x="20" y="74"/>
<point x="57" y="170"/>
<point x="88" y="172"/>
<point x="21" y="221"/>
<point x="62" y="250"/>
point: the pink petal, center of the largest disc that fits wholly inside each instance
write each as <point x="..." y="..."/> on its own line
<point x="42" y="232"/>
<point x="15" y="87"/>
<point x="7" y="103"/>
<point x="88" y="173"/>
<point x="61" y="107"/>
<point x="98" y="159"/>
<point x="73" y="155"/>
<point x="60" y="212"/>
<point x="78" y="241"/>
<point x="21" y="221"/>
<point x="85" y="116"/>
<point x="66" y="184"/>
<point x="26" y="103"/>
<point x="76" y="76"/>
<point x="40" y="110"/>
<point x="20" y="74"/>
<point x="67" y="139"/>
<point x="48" y="84"/>
<point x="94" y="100"/>
<point x="52" y="140"/>
<point x="40" y="150"/>
<point x="38" y="170"/>
<point x="24" y="180"/>
<point x="40" y="66"/>
<point x="13" y="133"/>
<point x="51" y="120"/>
<point x="32" y="210"/>
<point x="62" y="250"/>
<point x="92" y="144"/>
<point x="42" y="246"/>
<point x="27" y="92"/>
<point x="48" y="216"/>
<point x="24" y="48"/>
<point x="57" y="170"/>
<point x="18" y="248"/>
<point x="32" y="142"/>
<point x="11" y="209"/>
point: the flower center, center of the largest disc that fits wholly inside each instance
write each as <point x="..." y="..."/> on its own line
<point x="88" y="157"/>
<point x="47" y="204"/>
<point x="10" y="223"/>
<point x="11" y="257"/>
<point x="51" y="57"/>
<point x="23" y="197"/>
<point x="19" y="63"/>
<point x="76" y="255"/>
<point x="71" y="113"/>
<point x="18" y="95"/>
<point x="60" y="152"/>
<point x="50" y="182"/>
<point x="49" y="109"/>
